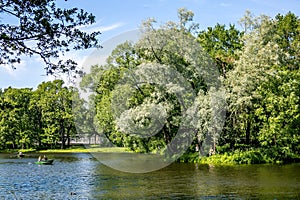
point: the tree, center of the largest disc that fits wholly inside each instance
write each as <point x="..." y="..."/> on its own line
<point x="55" y="104"/>
<point x="102" y="81"/>
<point x="15" y="124"/>
<point x="36" y="116"/>
<point x="277" y="109"/>
<point x="37" y="119"/>
<point x="251" y="69"/>
<point x="43" y="29"/>
<point x="222" y="44"/>
<point x="263" y="88"/>
<point x="278" y="113"/>
<point x="144" y="92"/>
<point x="286" y="33"/>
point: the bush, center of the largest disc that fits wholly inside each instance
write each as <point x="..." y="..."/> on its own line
<point x="237" y="157"/>
<point x="224" y="148"/>
<point x="189" y="158"/>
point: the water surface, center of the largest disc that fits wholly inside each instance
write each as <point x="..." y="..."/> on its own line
<point x="80" y="176"/>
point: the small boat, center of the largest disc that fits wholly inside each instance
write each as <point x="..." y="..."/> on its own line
<point x="44" y="162"/>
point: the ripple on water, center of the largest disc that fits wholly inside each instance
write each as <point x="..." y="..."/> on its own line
<point x="21" y="179"/>
<point x="77" y="176"/>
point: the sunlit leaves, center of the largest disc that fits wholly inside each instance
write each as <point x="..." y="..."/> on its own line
<point x="35" y="119"/>
<point x="263" y="87"/>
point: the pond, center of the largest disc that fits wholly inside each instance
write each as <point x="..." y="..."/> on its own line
<point x="80" y="176"/>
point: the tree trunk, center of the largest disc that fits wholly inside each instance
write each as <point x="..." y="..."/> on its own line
<point x="69" y="142"/>
<point x="248" y="132"/>
<point x="62" y="134"/>
<point x="68" y="136"/>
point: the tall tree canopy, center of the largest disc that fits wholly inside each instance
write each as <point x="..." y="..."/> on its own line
<point x="41" y="118"/>
<point x="259" y="69"/>
<point x="163" y="89"/>
<point x="45" y="30"/>
<point x="263" y="88"/>
<point x="145" y="92"/>
<point x="222" y="44"/>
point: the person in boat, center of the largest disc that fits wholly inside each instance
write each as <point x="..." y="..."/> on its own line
<point x="45" y="158"/>
<point x="40" y="159"/>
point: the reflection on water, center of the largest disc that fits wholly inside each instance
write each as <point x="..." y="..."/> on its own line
<point x="22" y="179"/>
<point x="79" y="176"/>
<point x="133" y="162"/>
<point x="192" y="181"/>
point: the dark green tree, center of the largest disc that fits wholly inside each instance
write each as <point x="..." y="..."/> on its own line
<point x="55" y="104"/>
<point x="263" y="87"/>
<point x="222" y="44"/>
<point x="15" y="124"/>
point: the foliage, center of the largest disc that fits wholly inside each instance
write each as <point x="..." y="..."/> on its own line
<point x="263" y="88"/>
<point x="144" y="92"/>
<point x="222" y="44"/>
<point x="45" y="30"/>
<point x="254" y="156"/>
<point x="36" y="119"/>
<point x="165" y="84"/>
<point x="15" y="129"/>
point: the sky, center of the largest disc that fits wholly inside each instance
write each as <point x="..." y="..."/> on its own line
<point x="116" y="17"/>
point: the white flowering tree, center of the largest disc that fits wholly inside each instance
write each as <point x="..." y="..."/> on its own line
<point x="146" y="92"/>
<point x="261" y="88"/>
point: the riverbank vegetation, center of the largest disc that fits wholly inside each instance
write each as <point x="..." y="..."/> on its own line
<point x="255" y="118"/>
<point x="268" y="156"/>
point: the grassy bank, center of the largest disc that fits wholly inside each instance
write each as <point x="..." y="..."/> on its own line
<point x="253" y="156"/>
<point x="240" y="157"/>
<point x="73" y="149"/>
<point x="86" y="150"/>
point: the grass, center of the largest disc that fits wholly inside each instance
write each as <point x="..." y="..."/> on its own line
<point x="86" y="150"/>
<point x="73" y="149"/>
<point x="231" y="158"/>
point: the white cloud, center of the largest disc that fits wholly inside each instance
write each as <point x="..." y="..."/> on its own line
<point x="14" y="72"/>
<point x="224" y="4"/>
<point x="98" y="27"/>
<point x="111" y="27"/>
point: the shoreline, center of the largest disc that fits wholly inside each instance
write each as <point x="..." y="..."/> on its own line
<point x="232" y="158"/>
<point x="69" y="150"/>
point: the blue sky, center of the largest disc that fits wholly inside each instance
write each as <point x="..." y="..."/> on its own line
<point x="115" y="17"/>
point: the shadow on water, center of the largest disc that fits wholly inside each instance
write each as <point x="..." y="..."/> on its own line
<point x="80" y="176"/>
<point x="193" y="181"/>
